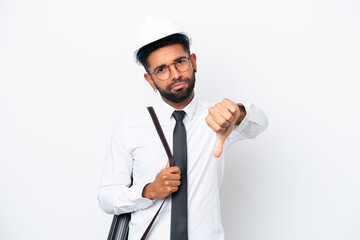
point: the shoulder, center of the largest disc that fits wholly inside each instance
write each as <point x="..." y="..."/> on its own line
<point x="132" y="125"/>
<point x="135" y="117"/>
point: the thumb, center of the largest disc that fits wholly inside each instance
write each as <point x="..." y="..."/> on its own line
<point x="219" y="144"/>
<point x="168" y="164"/>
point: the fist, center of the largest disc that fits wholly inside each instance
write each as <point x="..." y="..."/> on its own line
<point x="166" y="182"/>
<point x="222" y="119"/>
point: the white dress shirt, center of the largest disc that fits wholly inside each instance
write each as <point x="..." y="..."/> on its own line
<point x="136" y="150"/>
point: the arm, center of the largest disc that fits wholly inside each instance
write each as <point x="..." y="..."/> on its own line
<point x="115" y="196"/>
<point x="254" y="123"/>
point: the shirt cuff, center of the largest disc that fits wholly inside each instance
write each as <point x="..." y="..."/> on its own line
<point x="138" y="199"/>
<point x="236" y="133"/>
<point x="246" y="119"/>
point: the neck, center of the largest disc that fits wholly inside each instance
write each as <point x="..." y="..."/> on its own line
<point x="180" y="105"/>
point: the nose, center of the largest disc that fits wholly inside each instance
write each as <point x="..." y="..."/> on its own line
<point x="175" y="74"/>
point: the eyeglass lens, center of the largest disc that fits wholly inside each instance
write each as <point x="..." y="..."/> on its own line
<point x="182" y="65"/>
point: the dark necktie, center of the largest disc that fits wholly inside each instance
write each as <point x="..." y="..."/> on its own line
<point x="179" y="225"/>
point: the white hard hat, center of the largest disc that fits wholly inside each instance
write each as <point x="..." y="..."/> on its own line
<point x="153" y="28"/>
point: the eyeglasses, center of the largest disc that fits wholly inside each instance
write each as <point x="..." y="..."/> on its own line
<point x="163" y="72"/>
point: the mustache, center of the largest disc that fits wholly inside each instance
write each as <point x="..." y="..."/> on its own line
<point x="185" y="80"/>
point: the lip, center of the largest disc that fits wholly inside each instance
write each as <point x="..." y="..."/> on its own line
<point x="178" y="85"/>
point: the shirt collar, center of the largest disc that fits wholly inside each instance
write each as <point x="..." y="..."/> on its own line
<point x="168" y="110"/>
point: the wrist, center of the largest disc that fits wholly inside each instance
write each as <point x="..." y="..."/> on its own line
<point x="147" y="193"/>
<point x="242" y="114"/>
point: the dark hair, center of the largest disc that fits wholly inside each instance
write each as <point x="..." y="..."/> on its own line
<point x="167" y="41"/>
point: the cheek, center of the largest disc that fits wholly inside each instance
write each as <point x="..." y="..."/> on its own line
<point x="161" y="85"/>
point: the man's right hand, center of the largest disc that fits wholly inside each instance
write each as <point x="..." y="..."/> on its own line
<point x="166" y="182"/>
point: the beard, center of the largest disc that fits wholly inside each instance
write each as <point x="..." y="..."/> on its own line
<point x="181" y="94"/>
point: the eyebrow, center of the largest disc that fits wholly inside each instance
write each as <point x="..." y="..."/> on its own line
<point x="164" y="65"/>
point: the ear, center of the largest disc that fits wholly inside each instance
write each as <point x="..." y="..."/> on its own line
<point x="149" y="79"/>
<point x="193" y="61"/>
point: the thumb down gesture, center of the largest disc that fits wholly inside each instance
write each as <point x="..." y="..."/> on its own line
<point x="222" y="119"/>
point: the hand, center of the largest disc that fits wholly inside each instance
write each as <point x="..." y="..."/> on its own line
<point x="166" y="182"/>
<point x="222" y="118"/>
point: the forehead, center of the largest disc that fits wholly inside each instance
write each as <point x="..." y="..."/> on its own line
<point x="166" y="55"/>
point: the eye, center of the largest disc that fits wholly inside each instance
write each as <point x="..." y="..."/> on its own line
<point x="181" y="61"/>
<point x="159" y="70"/>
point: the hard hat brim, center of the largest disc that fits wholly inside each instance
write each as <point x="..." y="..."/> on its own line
<point x="139" y="52"/>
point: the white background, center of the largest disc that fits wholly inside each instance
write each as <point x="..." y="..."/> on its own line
<point x="67" y="75"/>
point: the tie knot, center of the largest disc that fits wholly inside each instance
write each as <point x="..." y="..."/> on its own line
<point x="179" y="115"/>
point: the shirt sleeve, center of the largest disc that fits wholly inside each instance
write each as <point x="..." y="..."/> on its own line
<point x="116" y="195"/>
<point x="254" y="123"/>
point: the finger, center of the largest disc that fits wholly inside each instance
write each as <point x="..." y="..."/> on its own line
<point x="167" y="164"/>
<point x="214" y="125"/>
<point x="175" y="183"/>
<point x="170" y="176"/>
<point x="173" y="170"/>
<point x="174" y="177"/>
<point x="220" y="115"/>
<point x="225" y="111"/>
<point x="219" y="145"/>
<point x="171" y="182"/>
<point x="230" y="105"/>
<point x="173" y="189"/>
<point x="168" y="171"/>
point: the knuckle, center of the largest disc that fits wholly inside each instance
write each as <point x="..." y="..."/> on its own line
<point x="209" y="121"/>
<point x="223" y="122"/>
<point x="211" y="110"/>
<point x="220" y="130"/>
<point x="228" y="117"/>
<point x="217" y="128"/>
<point x="233" y="108"/>
<point x="225" y="125"/>
<point x="207" y="118"/>
<point x="230" y="104"/>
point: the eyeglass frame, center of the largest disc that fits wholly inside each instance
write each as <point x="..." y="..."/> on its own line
<point x="174" y="63"/>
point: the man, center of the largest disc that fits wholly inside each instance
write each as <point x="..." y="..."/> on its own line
<point x="205" y="131"/>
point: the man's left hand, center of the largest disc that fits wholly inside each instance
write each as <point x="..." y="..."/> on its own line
<point x="222" y="119"/>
